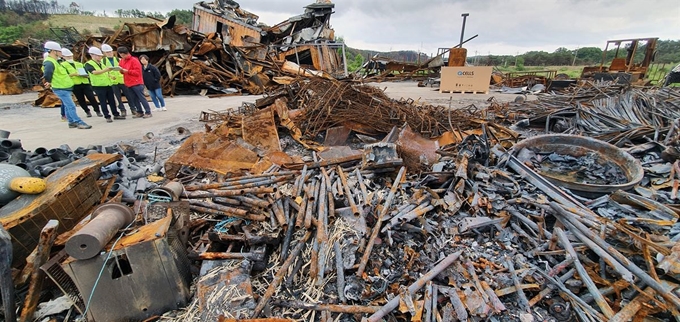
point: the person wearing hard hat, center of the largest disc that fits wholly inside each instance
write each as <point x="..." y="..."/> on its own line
<point x="117" y="82"/>
<point x="101" y="83"/>
<point x="132" y="75"/>
<point x="57" y="78"/>
<point x="81" y="83"/>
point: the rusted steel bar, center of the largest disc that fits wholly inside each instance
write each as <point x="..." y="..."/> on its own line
<point x="471" y="270"/>
<point x="523" y="301"/>
<point x="631" y="309"/>
<point x="314" y="260"/>
<point x="435" y="301"/>
<point x="311" y="203"/>
<point x="300" y="183"/>
<point x="362" y="186"/>
<point x="278" y="212"/>
<point x="348" y="191"/>
<point x="428" y="302"/>
<point x="454" y="298"/>
<point x="322" y="230"/>
<point x="325" y="175"/>
<point x="524" y="219"/>
<point x="641" y="274"/>
<point x="227" y="214"/>
<point x="496" y="303"/>
<point x="302" y="210"/>
<point x="244" y="183"/>
<point x="413" y="214"/>
<point x="289" y="235"/>
<point x="575" y="299"/>
<point x="316" y="165"/>
<point x="616" y="287"/>
<point x="417" y="285"/>
<point x="279" y="275"/>
<point x="340" y="272"/>
<point x="47" y="236"/>
<point x="227" y="201"/>
<point x="253" y="201"/>
<point x="223" y="319"/>
<point x="224" y="255"/>
<point x="212" y="205"/>
<point x="228" y="193"/>
<point x="376" y="229"/>
<point x="583" y="274"/>
<point x="255" y="184"/>
<point x="348" y="309"/>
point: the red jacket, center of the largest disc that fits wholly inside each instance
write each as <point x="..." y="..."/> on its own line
<point x="133" y="77"/>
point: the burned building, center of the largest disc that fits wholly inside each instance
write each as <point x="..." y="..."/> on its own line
<point x="306" y="39"/>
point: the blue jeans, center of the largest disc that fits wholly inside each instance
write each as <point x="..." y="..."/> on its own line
<point x="157" y="97"/>
<point x="68" y="105"/>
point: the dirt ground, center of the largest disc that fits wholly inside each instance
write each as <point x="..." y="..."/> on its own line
<point x="42" y="127"/>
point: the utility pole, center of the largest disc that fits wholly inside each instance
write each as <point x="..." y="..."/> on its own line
<point x="462" y="31"/>
<point x="516" y="56"/>
<point x="575" y="54"/>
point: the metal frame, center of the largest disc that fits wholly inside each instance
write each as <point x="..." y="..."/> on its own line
<point x="329" y="45"/>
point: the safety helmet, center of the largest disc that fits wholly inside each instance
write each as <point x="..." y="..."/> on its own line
<point x="51" y="45"/>
<point x="95" y="51"/>
<point x="66" y="52"/>
<point x="106" y="48"/>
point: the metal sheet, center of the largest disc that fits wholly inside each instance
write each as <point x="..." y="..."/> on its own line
<point x="259" y="129"/>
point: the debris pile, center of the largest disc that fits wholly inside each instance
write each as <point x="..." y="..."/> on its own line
<point x="327" y="200"/>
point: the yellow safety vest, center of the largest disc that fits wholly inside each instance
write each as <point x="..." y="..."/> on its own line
<point x="60" y="77"/>
<point x="73" y="68"/>
<point x="101" y="80"/>
<point x="116" y="76"/>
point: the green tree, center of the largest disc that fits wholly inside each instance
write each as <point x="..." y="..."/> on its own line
<point x="184" y="17"/>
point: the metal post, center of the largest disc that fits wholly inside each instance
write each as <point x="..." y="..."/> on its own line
<point x="344" y="59"/>
<point x="462" y="31"/>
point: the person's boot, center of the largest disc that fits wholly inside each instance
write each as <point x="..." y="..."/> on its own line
<point x="84" y="126"/>
<point x="89" y="114"/>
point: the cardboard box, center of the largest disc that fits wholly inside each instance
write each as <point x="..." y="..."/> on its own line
<point x="466" y="79"/>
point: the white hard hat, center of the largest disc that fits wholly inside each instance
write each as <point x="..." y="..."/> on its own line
<point x="66" y="52"/>
<point x="51" y="45"/>
<point x="106" y="48"/>
<point x="95" y="51"/>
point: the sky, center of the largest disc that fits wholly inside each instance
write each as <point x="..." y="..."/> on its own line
<point x="505" y="27"/>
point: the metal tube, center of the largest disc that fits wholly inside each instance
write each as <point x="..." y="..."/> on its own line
<point x="462" y="31"/>
<point x="107" y="220"/>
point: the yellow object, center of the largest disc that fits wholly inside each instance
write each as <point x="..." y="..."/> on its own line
<point x="28" y="185"/>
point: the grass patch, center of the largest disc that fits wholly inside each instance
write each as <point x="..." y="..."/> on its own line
<point x="90" y="23"/>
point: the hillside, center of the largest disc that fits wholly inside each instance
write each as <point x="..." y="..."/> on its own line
<point x="90" y="24"/>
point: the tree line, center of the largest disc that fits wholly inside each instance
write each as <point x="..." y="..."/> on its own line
<point x="667" y="51"/>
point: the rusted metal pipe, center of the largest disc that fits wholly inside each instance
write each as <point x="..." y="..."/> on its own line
<point x="583" y="274"/>
<point x="348" y="309"/>
<point x="348" y="192"/>
<point x="172" y="190"/>
<point x="106" y="221"/>
<point x="6" y="283"/>
<point x="236" y="211"/>
<point x="376" y="229"/>
<point x="228" y="193"/>
<point x="394" y="302"/>
<point x="280" y="274"/>
<point x="47" y="237"/>
<point x="216" y="212"/>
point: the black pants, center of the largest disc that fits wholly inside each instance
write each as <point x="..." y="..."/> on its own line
<point x="105" y="95"/>
<point x="138" y="99"/>
<point x="122" y="89"/>
<point x="81" y="91"/>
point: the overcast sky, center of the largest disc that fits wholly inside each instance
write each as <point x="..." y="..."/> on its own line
<point x="504" y="26"/>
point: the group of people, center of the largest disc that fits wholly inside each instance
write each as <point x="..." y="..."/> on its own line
<point x="107" y="77"/>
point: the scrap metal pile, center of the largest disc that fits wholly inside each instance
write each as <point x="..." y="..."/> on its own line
<point x="329" y="201"/>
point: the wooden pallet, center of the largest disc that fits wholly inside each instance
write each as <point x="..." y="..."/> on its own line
<point x="463" y="92"/>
